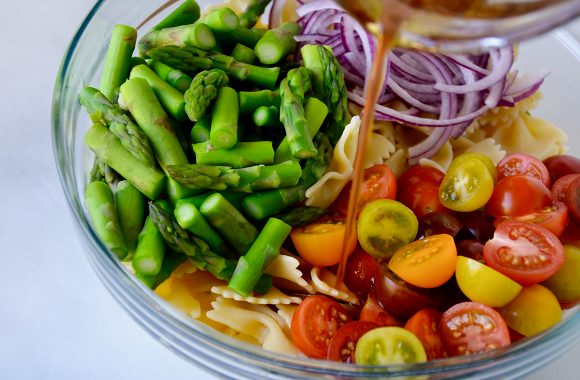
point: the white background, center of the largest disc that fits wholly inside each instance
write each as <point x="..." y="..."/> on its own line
<point x="56" y="319"/>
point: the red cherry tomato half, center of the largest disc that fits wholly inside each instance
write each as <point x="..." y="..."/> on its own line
<point x="425" y="325"/>
<point x="417" y="174"/>
<point x="361" y="272"/>
<point x="525" y="252"/>
<point x="476" y="225"/>
<point x="315" y="322"/>
<point x="561" y="165"/>
<point x="422" y="198"/>
<point x="343" y="343"/>
<point x="436" y="223"/>
<point x="560" y="187"/>
<point x="379" y="183"/>
<point x="471" y="327"/>
<point x="571" y="235"/>
<point x="472" y="249"/>
<point x="372" y="311"/>
<point x="518" y="195"/>
<point x="573" y="199"/>
<point x="519" y="163"/>
<point x="553" y="218"/>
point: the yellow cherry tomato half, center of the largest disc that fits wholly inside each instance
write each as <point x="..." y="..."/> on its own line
<point x="389" y="345"/>
<point x="468" y="184"/>
<point x="565" y="284"/>
<point x="426" y="263"/>
<point x="320" y="244"/>
<point x="483" y="284"/>
<point x="534" y="310"/>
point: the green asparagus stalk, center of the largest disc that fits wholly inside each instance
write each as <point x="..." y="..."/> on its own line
<point x="267" y="117"/>
<point x="118" y="59"/>
<point x="112" y="178"/>
<point x="101" y="208"/>
<point x="171" y="99"/>
<point x="241" y="35"/>
<point x="108" y="148"/>
<point x="224" y="119"/>
<point x="277" y="43"/>
<point x="186" y="13"/>
<point x="170" y="262"/>
<point x="176" y="78"/>
<point x="97" y="172"/>
<point x="200" y="131"/>
<point x="247" y="180"/>
<point x="243" y="54"/>
<point x="101" y="110"/>
<point x="263" y="251"/>
<point x="253" y="12"/>
<point x="234" y="197"/>
<point x="292" y="114"/>
<point x="328" y="84"/>
<point x="197" y="251"/>
<point x="193" y="59"/>
<point x="259" y="206"/>
<point x="203" y="91"/>
<point x="244" y="154"/>
<point x="301" y="216"/>
<point x="150" y="252"/>
<point x="190" y="219"/>
<point x="229" y="222"/>
<point x="250" y="101"/>
<point x="315" y="113"/>
<point x="198" y="35"/>
<point x="131" y="211"/>
<point x="136" y="61"/>
<point x="221" y="20"/>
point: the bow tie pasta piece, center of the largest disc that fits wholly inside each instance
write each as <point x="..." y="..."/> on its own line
<point x="321" y="280"/>
<point x="286" y="268"/>
<point x="273" y="297"/>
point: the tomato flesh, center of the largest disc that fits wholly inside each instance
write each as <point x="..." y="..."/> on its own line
<point x="343" y="343"/>
<point x="361" y="272"/>
<point x="525" y="252"/>
<point x="315" y="322"/>
<point x="519" y="163"/>
<point x="471" y="327"/>
<point x="518" y="195"/>
<point x="553" y="218"/>
<point x="422" y="198"/>
<point x="573" y="199"/>
<point x="372" y="311"/>
<point x="560" y="187"/>
<point x="425" y="325"/>
<point x="389" y="345"/>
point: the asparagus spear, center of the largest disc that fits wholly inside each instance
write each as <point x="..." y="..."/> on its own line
<point x="170" y="262"/>
<point x="150" y="252"/>
<point x="263" y="251"/>
<point x="247" y="180"/>
<point x="118" y="59"/>
<point x="108" y="148"/>
<point x="136" y="61"/>
<point x="101" y="110"/>
<point x="253" y="12"/>
<point x="241" y="35"/>
<point x="131" y="211"/>
<point x="224" y="119"/>
<point x="250" y="101"/>
<point x="292" y="115"/>
<point x="221" y="20"/>
<point x="186" y="13"/>
<point x="328" y="84"/>
<point x="315" y="113"/>
<point x="101" y="208"/>
<point x="171" y="99"/>
<point x="267" y="117"/>
<point x="195" y="249"/>
<point x="229" y="222"/>
<point x="189" y="58"/>
<point x="200" y="131"/>
<point x="242" y="155"/>
<point x="97" y="172"/>
<point x="301" y="216"/>
<point x="202" y="92"/>
<point x="259" y="206"/>
<point x="277" y="43"/>
<point x="190" y="219"/>
<point x="234" y="197"/>
<point x="243" y="54"/>
<point x="198" y="35"/>
<point x="176" y="78"/>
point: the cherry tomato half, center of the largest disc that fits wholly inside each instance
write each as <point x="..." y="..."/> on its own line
<point x="471" y="327"/>
<point x="320" y="243"/>
<point x="565" y="284"/>
<point x="553" y="218"/>
<point x="560" y="187"/>
<point x="573" y="199"/>
<point x="343" y="343"/>
<point x="476" y="225"/>
<point x="436" y="223"/>
<point x="518" y="195"/>
<point x="379" y="183"/>
<point x="525" y="252"/>
<point x="417" y="174"/>
<point x="561" y="165"/>
<point x="389" y="345"/>
<point x="472" y="249"/>
<point x="427" y="262"/>
<point x="372" y="311"/>
<point x="422" y="198"/>
<point x="361" y="272"/>
<point x="519" y="163"/>
<point x="425" y="325"/>
<point x="315" y="322"/>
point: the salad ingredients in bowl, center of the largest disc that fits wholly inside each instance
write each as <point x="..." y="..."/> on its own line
<point x="223" y="153"/>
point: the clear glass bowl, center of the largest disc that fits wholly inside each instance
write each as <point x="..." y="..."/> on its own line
<point x="226" y="356"/>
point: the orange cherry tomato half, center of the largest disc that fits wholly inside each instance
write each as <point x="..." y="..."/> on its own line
<point x="520" y="163"/>
<point x="425" y="325"/>
<point x="320" y="243"/>
<point x="379" y="183"/>
<point x="426" y="263"/>
<point x="553" y="218"/>
<point x="343" y="343"/>
<point x="372" y="311"/>
<point x="315" y="322"/>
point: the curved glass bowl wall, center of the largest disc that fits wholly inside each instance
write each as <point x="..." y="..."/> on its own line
<point x="200" y="344"/>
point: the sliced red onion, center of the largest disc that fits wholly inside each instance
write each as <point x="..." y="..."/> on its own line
<point x="276" y="10"/>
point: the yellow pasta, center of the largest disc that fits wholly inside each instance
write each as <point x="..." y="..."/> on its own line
<point x="322" y="279"/>
<point x="273" y="297"/>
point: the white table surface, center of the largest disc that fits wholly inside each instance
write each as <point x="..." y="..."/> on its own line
<point x="57" y="321"/>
